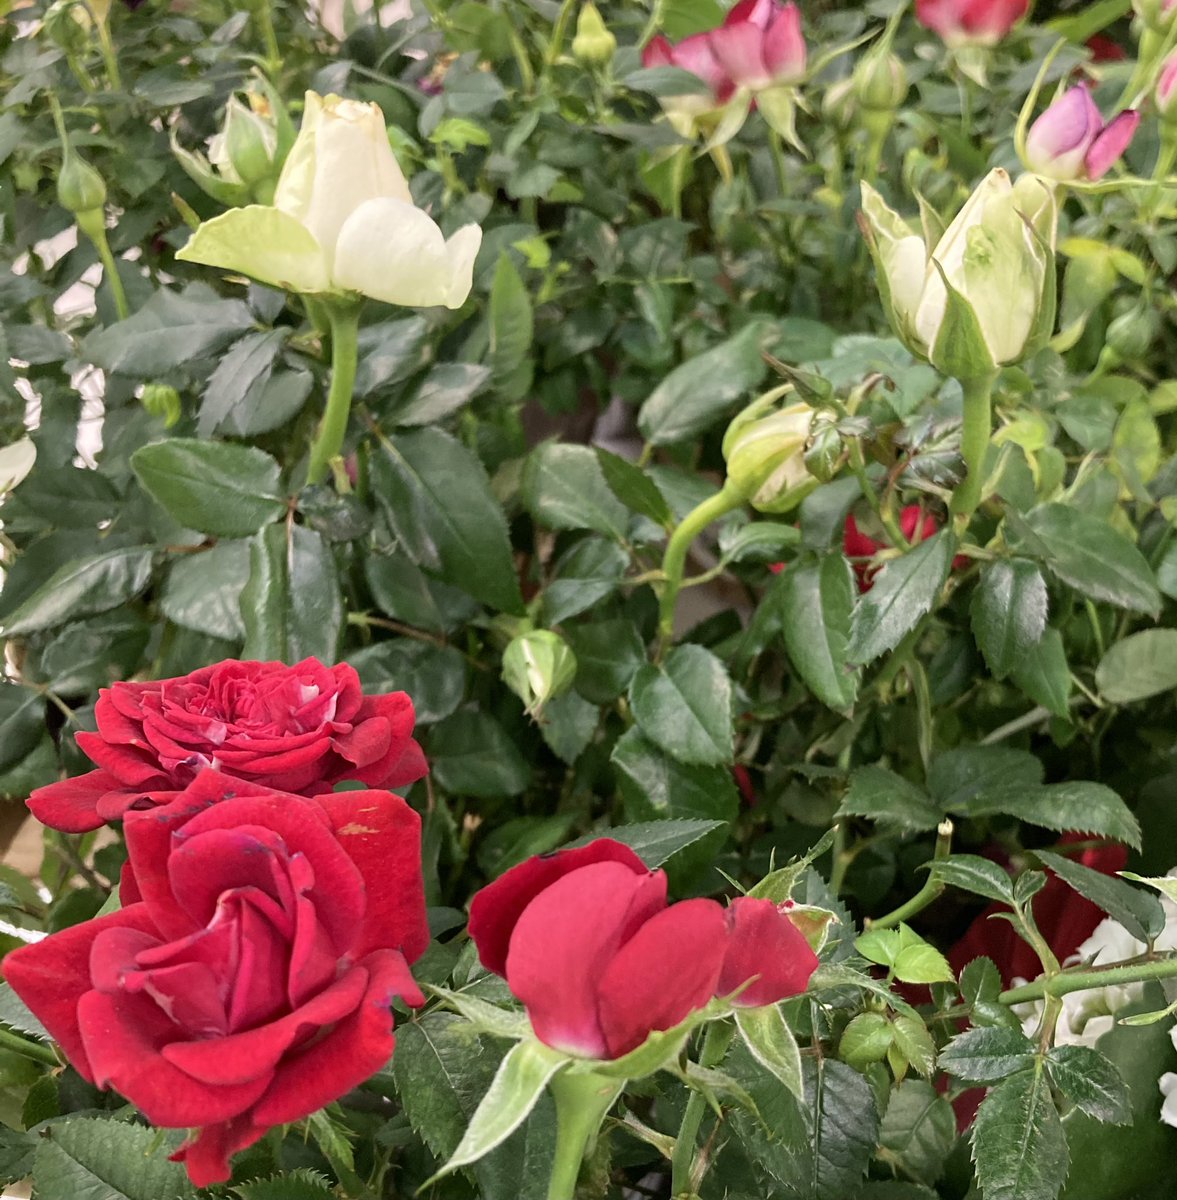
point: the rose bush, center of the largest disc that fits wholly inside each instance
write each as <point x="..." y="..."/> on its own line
<point x="247" y="980"/>
<point x="295" y="729"/>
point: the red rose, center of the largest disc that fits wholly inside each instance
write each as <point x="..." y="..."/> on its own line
<point x="766" y="947"/>
<point x="915" y="525"/>
<point x="295" y="729"/>
<point x="970" y="22"/>
<point x="251" y="983"/>
<point x="586" y="940"/>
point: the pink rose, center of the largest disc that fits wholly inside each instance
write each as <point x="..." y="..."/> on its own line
<point x="295" y="729"/>
<point x="970" y="22"/>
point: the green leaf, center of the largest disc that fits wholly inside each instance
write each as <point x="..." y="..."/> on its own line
<point x="701" y="390"/>
<point x="564" y="488"/>
<point x="767" y="1035"/>
<point x="471" y="755"/>
<point x="1166" y="884"/>
<point x="971" y="873"/>
<point x="1019" y="1145"/>
<point x="1076" y="805"/>
<point x="986" y="1055"/>
<point x="17" y="1015"/>
<point x="438" y="501"/>
<point x="1043" y="674"/>
<point x="655" y="842"/>
<point x="903" y="591"/>
<point x="169" y="331"/>
<point x="845" y="1124"/>
<point x="1141" y="913"/>
<point x="239" y="377"/>
<point x="22" y="722"/>
<point x="1091" y="1082"/>
<point x="980" y="985"/>
<point x="921" y="963"/>
<point x="1142" y="665"/>
<point x="1090" y="555"/>
<point x="957" y="776"/>
<point x="214" y="487"/>
<point x="634" y="488"/>
<point x="1008" y="612"/>
<point x="816" y="604"/>
<point x="567" y="726"/>
<point x="433" y="676"/>
<point x="586" y="573"/>
<point x="390" y="352"/>
<point x="511" y="325"/>
<point x="684" y="705"/>
<point x="608" y="655"/>
<point x="291" y="606"/>
<point x="484" y="1016"/>
<point x="203" y="591"/>
<point x="93" y="583"/>
<point x="656" y="786"/>
<point x="883" y="796"/>
<point x="106" y="1160"/>
<point x="914" y="1042"/>
<point x="444" y="390"/>
<point x="299" y="1184"/>
<point x="513" y="1093"/>
<point x="917" y="1132"/>
<point x="95" y="651"/>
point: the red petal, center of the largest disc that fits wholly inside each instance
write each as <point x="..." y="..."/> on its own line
<point x="207" y="1156"/>
<point x="664" y="972"/>
<point x="72" y="804"/>
<point x="766" y="946"/>
<point x="495" y="910"/>
<point x="134" y="768"/>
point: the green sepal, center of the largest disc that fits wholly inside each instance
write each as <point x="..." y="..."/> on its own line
<point x="960" y="349"/>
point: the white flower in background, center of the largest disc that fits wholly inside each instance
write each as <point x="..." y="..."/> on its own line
<point x="1169" y="1090"/>
<point x="16" y="461"/>
<point x="342" y="220"/>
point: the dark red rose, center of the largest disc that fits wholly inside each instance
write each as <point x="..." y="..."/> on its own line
<point x="766" y="947"/>
<point x="914" y="523"/>
<point x="588" y="943"/>
<point x="251" y="984"/>
<point x="298" y="729"/>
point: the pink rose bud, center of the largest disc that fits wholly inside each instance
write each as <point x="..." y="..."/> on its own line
<point x="691" y="54"/>
<point x="1070" y="141"/>
<point x="970" y="22"/>
<point x="1166" y="91"/>
<point x="760" y="44"/>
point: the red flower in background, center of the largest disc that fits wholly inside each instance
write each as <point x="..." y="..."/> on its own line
<point x="915" y="525"/>
<point x="251" y="982"/>
<point x="295" y="729"/>
<point x="970" y="22"/>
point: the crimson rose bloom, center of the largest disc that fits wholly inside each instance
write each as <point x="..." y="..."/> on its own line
<point x="295" y="729"/>
<point x="766" y="947"/>
<point x="251" y="983"/>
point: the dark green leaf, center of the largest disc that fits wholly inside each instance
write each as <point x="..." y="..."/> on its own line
<point x="511" y="323"/>
<point x="299" y="1184"/>
<point x="957" y="776"/>
<point x="986" y="1055"/>
<point x="700" y="391"/>
<point x="16" y="1014"/>
<point x="1076" y="805"/>
<point x="904" y="590"/>
<point x="444" y="390"/>
<point x="291" y="606"/>
<point x="215" y="487"/>
<point x="1008" y="612"/>
<point x="22" y="721"/>
<point x="684" y="705"/>
<point x="391" y="352"/>
<point x="94" y="652"/>
<point x="1043" y="674"/>
<point x="567" y="725"/>
<point x="438" y="501"/>
<point x="91" y="584"/>
<point x="203" y="591"/>
<point x="1019" y="1145"/>
<point x="608" y="654"/>
<point x="471" y="755"/>
<point x="918" y="1130"/>
<point x="564" y="488"/>
<point x="433" y="676"/>
<point x="240" y="376"/>
<point x="586" y="573"/>
<point x="816" y="603"/>
<point x="403" y="591"/>
<point x="881" y="795"/>
<point x="1088" y="554"/>
<point x="971" y="873"/>
<point x="1142" y="665"/>
<point x="656" y="842"/>
<point x="1140" y="912"/>
<point x="1091" y="1082"/>
<point x="634" y="488"/>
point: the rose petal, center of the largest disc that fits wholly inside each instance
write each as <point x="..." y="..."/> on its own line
<point x="72" y="804"/>
<point x="765" y="946"/>
<point x="1110" y="145"/>
<point x="207" y="1155"/>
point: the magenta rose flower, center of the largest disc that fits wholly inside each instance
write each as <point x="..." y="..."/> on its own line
<point x="298" y="729"/>
<point x="251" y="983"/>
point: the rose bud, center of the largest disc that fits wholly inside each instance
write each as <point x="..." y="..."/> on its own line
<point x="342" y="220"/>
<point x="970" y="22"/>
<point x="764" y="946"/>
<point x="765" y="452"/>
<point x="586" y="940"/>
<point x="593" y="44"/>
<point x="760" y="44"/>
<point x="162" y="400"/>
<point x="1165" y="95"/>
<point x="1070" y="141"/>
<point x="296" y="729"/>
<point x="249" y="982"/>
<point x="997" y="255"/>
<point x="880" y="81"/>
<point x="538" y="666"/>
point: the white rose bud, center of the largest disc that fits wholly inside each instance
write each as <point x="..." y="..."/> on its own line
<point x="765" y="451"/>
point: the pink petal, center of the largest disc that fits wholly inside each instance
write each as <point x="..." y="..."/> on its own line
<point x="757" y="12"/>
<point x="695" y="54"/>
<point x="784" y="47"/>
<point x="1061" y="137"/>
<point x="1111" y="144"/>
<point x="739" y="50"/>
<point x="658" y="52"/>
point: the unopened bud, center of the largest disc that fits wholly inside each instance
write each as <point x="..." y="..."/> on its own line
<point x="250" y="142"/>
<point x="880" y="82"/>
<point x="80" y="188"/>
<point x="593" y="44"/>
<point x="538" y="666"/>
<point x="1131" y="333"/>
<point x="840" y="103"/>
<point x="162" y="400"/>
<point x="825" y="453"/>
<point x="765" y="452"/>
<point x="67" y="24"/>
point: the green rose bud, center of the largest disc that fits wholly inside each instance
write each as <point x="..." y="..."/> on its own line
<point x="248" y="144"/>
<point x="538" y="666"/>
<point x="80" y="188"/>
<point x="162" y="400"/>
<point x="593" y="44"/>
<point x="880" y="82"/>
<point x="765" y="451"/>
<point x="1131" y="333"/>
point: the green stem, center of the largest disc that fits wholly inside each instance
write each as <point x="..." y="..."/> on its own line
<point x="1063" y="984"/>
<point x="675" y="559"/>
<point x="109" y="58"/>
<point x="927" y="893"/>
<point x="974" y="442"/>
<point x="1164" y="166"/>
<point x="715" y="1043"/>
<point x="582" y="1100"/>
<point x="559" y="30"/>
<point x="344" y="317"/>
<point x="93" y="225"/>
<point x="265" y="20"/>
<point x="29" y="1049"/>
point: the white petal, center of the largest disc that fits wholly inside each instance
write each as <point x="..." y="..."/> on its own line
<point x="394" y="252"/>
<point x="462" y="250"/>
<point x="16" y="461"/>
<point x="293" y="191"/>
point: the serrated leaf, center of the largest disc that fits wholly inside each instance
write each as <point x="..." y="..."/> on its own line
<point x="987" y="1055"/>
<point x="1044" y="675"/>
<point x="902" y="592"/>
<point x="17" y="1015"/>
<point x="865" y="1040"/>
<point x="1091" y="1081"/>
<point x="634" y="488"/>
<point x="564" y="488"/>
<point x="213" y="487"/>
<point x="971" y="873"/>
<point x="203" y="591"/>
<point x="22" y="722"/>
<point x="484" y="1016"/>
<point x="1008" y="612"/>
<point x="881" y="795"/>
<point x="239" y="376"/>
<point x="684" y="705"/>
<point x="1019" y="1146"/>
<point x="511" y="324"/>
<point x="917" y="1132"/>
<point x="816" y="602"/>
<point x="655" y="842"/>
<point x="299" y="1184"/>
<point x="1077" y="805"/>
<point x="1163" y="883"/>
<point x="957" y="776"/>
<point x="1141" y="913"/>
<point x="914" y="1042"/>
<point x="767" y="1035"/>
